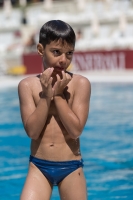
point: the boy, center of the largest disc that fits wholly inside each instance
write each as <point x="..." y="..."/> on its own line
<point x="54" y="108"/>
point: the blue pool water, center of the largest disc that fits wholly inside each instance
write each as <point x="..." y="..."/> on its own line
<point x="106" y="144"/>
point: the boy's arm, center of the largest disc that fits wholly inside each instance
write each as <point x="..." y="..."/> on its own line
<point x="74" y="118"/>
<point x="34" y="117"/>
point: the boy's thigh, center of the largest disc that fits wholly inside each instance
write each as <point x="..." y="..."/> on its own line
<point x="73" y="187"/>
<point x="36" y="185"/>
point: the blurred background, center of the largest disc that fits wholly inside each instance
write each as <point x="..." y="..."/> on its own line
<point x="104" y="54"/>
<point x="104" y="30"/>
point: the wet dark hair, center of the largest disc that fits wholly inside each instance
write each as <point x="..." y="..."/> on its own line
<point x="55" y="30"/>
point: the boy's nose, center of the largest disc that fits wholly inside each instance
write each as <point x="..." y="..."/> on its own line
<point x="63" y="59"/>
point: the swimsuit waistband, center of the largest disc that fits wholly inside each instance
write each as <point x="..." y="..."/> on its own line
<point x="48" y="162"/>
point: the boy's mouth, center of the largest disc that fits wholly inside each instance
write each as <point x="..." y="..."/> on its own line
<point x="58" y="68"/>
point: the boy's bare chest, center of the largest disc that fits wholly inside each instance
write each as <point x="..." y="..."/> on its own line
<point x="68" y="95"/>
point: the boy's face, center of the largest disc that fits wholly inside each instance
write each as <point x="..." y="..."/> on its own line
<point x="57" y="55"/>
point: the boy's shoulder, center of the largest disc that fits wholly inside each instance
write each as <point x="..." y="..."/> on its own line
<point x="79" y="76"/>
<point x="80" y="82"/>
<point x="28" y="81"/>
<point x="80" y="79"/>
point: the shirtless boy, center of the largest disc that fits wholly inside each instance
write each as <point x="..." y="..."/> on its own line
<point x="54" y="108"/>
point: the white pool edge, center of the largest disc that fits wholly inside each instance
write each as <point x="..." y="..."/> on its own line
<point x="13" y="81"/>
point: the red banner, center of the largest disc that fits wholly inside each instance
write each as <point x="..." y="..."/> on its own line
<point x="33" y="63"/>
<point x="103" y="60"/>
<point x="82" y="61"/>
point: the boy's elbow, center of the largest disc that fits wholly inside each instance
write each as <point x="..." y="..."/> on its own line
<point x="77" y="131"/>
<point x="76" y="134"/>
<point x="74" y="137"/>
<point x="31" y="134"/>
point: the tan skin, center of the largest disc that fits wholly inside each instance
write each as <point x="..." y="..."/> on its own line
<point x="54" y="109"/>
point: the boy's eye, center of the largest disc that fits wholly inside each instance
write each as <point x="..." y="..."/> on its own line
<point x="56" y="52"/>
<point x="70" y="53"/>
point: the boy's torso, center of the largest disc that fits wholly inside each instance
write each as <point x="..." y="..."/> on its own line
<point x="54" y="142"/>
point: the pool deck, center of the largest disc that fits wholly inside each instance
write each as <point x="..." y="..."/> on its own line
<point x="124" y="76"/>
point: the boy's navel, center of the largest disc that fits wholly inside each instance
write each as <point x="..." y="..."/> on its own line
<point x="51" y="145"/>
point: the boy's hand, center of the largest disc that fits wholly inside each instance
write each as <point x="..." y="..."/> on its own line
<point x="46" y="82"/>
<point x="61" y="83"/>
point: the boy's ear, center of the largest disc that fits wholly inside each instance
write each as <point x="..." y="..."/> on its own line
<point x="40" y="49"/>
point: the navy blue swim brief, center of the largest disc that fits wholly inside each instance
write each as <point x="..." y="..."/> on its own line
<point x="54" y="171"/>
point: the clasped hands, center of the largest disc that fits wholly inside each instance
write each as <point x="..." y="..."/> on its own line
<point x="49" y="89"/>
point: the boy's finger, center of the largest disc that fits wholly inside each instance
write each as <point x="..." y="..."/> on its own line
<point x="47" y="73"/>
<point x="63" y="75"/>
<point x="68" y="76"/>
<point x="58" y="77"/>
<point x="50" y="72"/>
<point x="50" y="80"/>
<point x="54" y="86"/>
